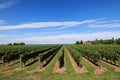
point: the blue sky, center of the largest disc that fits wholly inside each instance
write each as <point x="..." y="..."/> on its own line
<point x="58" y="21"/>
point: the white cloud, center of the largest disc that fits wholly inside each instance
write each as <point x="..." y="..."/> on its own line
<point x="62" y="25"/>
<point x="8" y="4"/>
<point x="68" y="38"/>
<point x="106" y="24"/>
<point x="113" y="25"/>
<point x="109" y="21"/>
<point x="71" y="24"/>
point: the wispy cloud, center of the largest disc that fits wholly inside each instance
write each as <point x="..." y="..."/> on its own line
<point x="68" y="38"/>
<point x="106" y="24"/>
<point x="108" y="21"/>
<point x="113" y="25"/>
<point x="8" y="3"/>
<point x="71" y="24"/>
<point x="62" y="25"/>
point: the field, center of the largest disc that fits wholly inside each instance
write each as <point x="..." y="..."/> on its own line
<point x="60" y="62"/>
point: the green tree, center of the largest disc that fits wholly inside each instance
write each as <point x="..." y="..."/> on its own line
<point x="77" y="42"/>
<point x="10" y="44"/>
<point x="118" y="41"/>
<point x="81" y="42"/>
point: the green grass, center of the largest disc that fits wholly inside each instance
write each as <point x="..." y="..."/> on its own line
<point x="69" y="67"/>
<point x="110" y="74"/>
<point x="33" y="66"/>
<point x="88" y="66"/>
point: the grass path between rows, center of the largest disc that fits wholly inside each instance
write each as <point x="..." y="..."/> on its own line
<point x="110" y="74"/>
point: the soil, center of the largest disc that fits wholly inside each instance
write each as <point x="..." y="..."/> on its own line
<point x="56" y="68"/>
<point x="6" y="66"/>
<point x="77" y="69"/>
<point x="19" y="68"/>
<point x="117" y="69"/>
<point x="7" y="73"/>
<point x="34" y="77"/>
<point x="98" y="70"/>
<point x="12" y="63"/>
<point x="3" y="67"/>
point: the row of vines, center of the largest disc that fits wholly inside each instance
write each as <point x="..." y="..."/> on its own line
<point x="23" y="54"/>
<point x="95" y="53"/>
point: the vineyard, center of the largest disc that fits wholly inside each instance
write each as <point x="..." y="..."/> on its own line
<point x="60" y="62"/>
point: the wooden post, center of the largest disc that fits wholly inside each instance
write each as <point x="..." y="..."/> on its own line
<point x="20" y="61"/>
<point x="40" y="61"/>
<point x="80" y="65"/>
<point x="3" y="61"/>
<point x="119" y="63"/>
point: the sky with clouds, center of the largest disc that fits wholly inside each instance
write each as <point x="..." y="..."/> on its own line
<point x="58" y="21"/>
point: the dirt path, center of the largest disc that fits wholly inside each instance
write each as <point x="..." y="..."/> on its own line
<point x="6" y="66"/>
<point x="34" y="77"/>
<point x="98" y="70"/>
<point x="56" y="68"/>
<point x="9" y="72"/>
<point x="12" y="63"/>
<point x="77" y="69"/>
<point x="3" y="68"/>
<point x="117" y="69"/>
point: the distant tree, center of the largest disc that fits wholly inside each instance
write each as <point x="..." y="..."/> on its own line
<point x="10" y="44"/>
<point x="101" y="41"/>
<point x="117" y="41"/>
<point x="77" y="42"/>
<point x="22" y="43"/>
<point x="95" y="41"/>
<point x="107" y="41"/>
<point x="81" y="42"/>
<point x="113" y="41"/>
<point x="15" y="43"/>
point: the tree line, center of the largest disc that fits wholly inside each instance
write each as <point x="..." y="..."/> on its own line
<point x="21" y="43"/>
<point x="101" y="41"/>
<point x="107" y="41"/>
